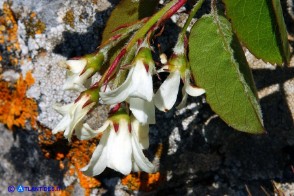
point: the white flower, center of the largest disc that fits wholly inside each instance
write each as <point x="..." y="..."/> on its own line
<point x="75" y="80"/>
<point x="120" y="148"/>
<point x="189" y="89"/>
<point x="141" y="131"/>
<point x="76" y="66"/>
<point x="83" y="131"/>
<point x="166" y="96"/>
<point x="137" y="89"/>
<point x="138" y="84"/>
<point x="81" y="71"/>
<point x="144" y="111"/>
<point x="73" y="115"/>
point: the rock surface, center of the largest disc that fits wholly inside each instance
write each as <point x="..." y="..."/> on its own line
<point x="196" y="152"/>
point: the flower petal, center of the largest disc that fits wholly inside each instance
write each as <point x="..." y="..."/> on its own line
<point x="61" y="126"/>
<point x="142" y="131"/>
<point x="70" y="85"/>
<point x="119" y="94"/>
<point x="166" y="96"/>
<point x="144" y="111"/>
<point x="135" y="167"/>
<point x="119" y="149"/>
<point x="142" y="162"/>
<point x="73" y="115"/>
<point x="76" y="66"/>
<point x="184" y="99"/>
<point x="85" y="132"/>
<point x="63" y="109"/>
<point x="143" y="86"/>
<point x="78" y="82"/>
<point x="81" y="111"/>
<point x="98" y="160"/>
<point x="192" y="90"/>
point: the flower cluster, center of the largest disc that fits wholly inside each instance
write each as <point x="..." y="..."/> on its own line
<point x="125" y="133"/>
<point x="121" y="146"/>
<point x="127" y="86"/>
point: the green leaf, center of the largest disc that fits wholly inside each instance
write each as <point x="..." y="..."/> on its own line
<point x="128" y="11"/>
<point x="219" y="66"/>
<point x="259" y="25"/>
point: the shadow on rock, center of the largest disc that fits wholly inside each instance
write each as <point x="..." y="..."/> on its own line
<point x="29" y="161"/>
<point x="212" y="158"/>
<point x="79" y="44"/>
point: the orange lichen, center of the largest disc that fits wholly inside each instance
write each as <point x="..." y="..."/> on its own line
<point x="15" y="107"/>
<point x="79" y="156"/>
<point x="142" y="181"/>
<point x="8" y="35"/>
<point x="78" y="153"/>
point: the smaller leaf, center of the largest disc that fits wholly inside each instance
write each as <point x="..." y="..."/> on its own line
<point x="260" y="26"/>
<point x="219" y="66"/>
<point x="128" y="11"/>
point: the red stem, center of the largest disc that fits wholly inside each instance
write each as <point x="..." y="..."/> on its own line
<point x="113" y="66"/>
<point x="111" y="70"/>
<point x="129" y="24"/>
<point x="171" y="11"/>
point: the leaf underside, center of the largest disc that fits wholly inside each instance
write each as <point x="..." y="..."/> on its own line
<point x="128" y="11"/>
<point x="219" y="66"/>
<point x="260" y="26"/>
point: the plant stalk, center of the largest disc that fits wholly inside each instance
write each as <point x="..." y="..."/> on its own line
<point x="157" y="19"/>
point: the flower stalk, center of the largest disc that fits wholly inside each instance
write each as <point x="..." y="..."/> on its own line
<point x="167" y="11"/>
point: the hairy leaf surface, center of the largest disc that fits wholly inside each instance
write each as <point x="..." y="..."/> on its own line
<point x="219" y="66"/>
<point x="259" y="24"/>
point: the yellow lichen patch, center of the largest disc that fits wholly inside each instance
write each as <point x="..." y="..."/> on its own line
<point x="77" y="152"/>
<point x="15" y="107"/>
<point x="69" y="18"/>
<point x="142" y="181"/>
<point x="8" y="35"/>
<point x="34" y="25"/>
